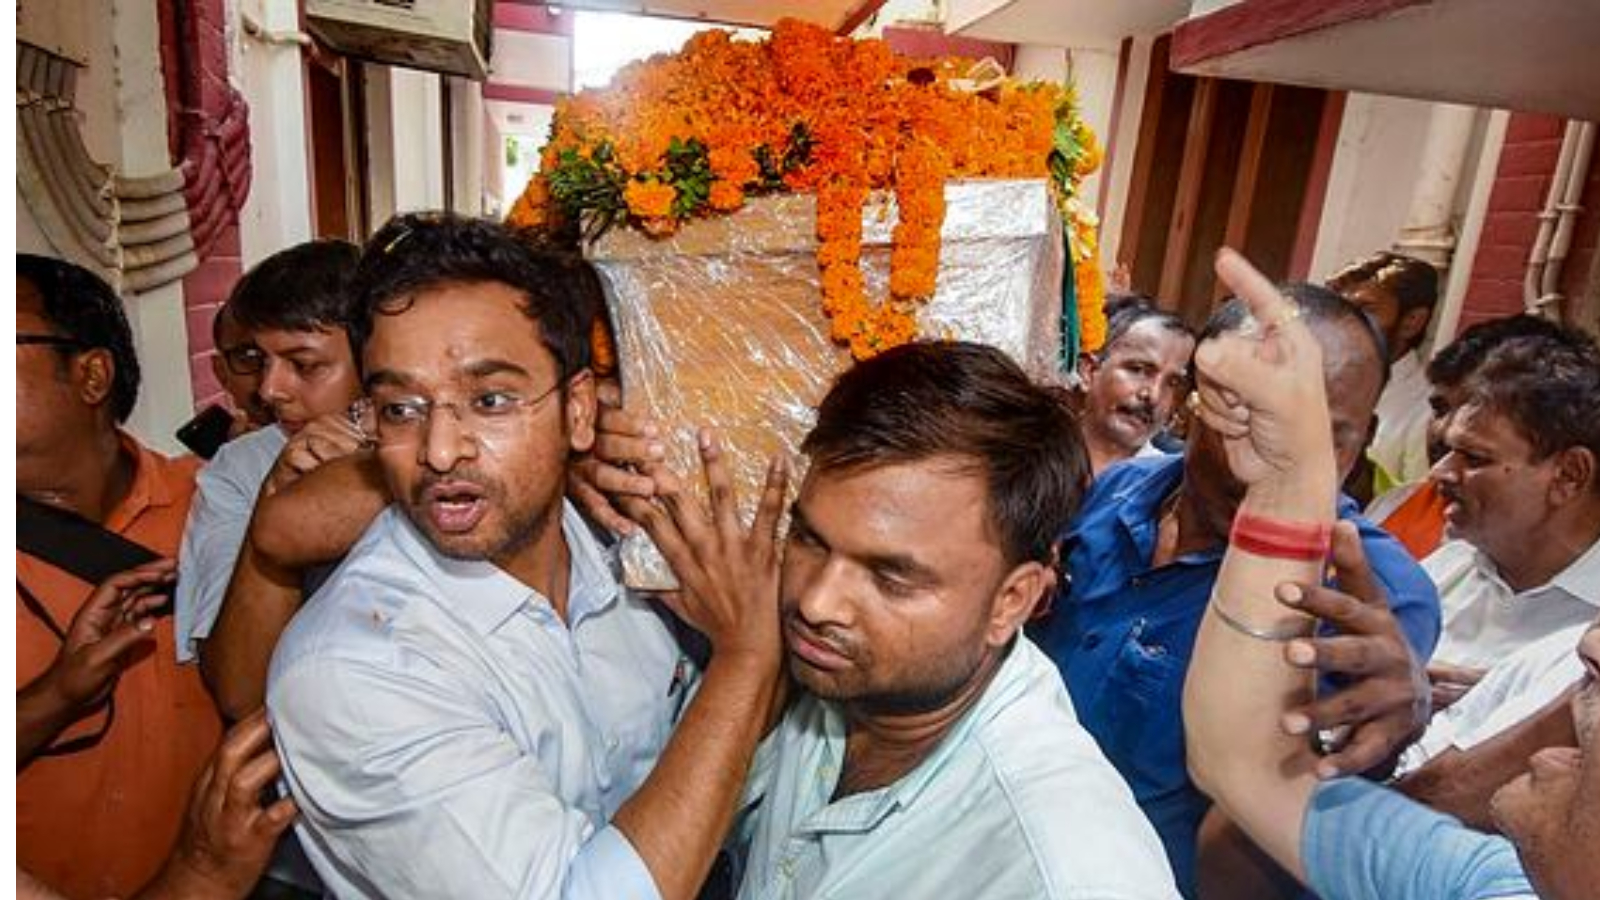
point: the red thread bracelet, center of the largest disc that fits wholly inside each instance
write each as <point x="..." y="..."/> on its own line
<point x="1281" y="539"/>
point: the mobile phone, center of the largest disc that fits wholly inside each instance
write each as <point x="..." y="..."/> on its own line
<point x="207" y="432"/>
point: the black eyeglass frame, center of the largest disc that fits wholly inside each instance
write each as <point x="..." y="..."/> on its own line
<point x="56" y="341"/>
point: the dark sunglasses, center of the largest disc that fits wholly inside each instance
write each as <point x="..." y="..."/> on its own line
<point x="50" y="340"/>
<point x="244" y="359"/>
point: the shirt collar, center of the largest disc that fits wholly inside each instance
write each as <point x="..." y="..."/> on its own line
<point x="485" y="596"/>
<point x="863" y="812"/>
<point x="1581" y="578"/>
<point x="149" y="489"/>
<point x="1138" y="503"/>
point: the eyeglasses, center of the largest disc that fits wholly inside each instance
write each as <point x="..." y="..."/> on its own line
<point x="403" y="420"/>
<point x="50" y="340"/>
<point x="244" y="359"/>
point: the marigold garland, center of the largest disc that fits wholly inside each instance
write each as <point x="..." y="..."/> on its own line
<point x="701" y="131"/>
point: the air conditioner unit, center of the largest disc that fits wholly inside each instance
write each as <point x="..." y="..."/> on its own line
<point x="450" y="36"/>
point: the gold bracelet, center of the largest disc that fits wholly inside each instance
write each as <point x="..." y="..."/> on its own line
<point x="1277" y="635"/>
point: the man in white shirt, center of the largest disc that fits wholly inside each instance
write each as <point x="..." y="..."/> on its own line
<point x="1399" y="293"/>
<point x="1514" y="688"/>
<point x="1522" y="485"/>
<point x="934" y="751"/>
<point x="472" y="706"/>
<point x="294" y="310"/>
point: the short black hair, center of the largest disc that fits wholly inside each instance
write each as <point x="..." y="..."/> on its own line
<point x="1124" y="311"/>
<point x="1413" y="282"/>
<point x="1316" y="304"/>
<point x="417" y="251"/>
<point x="303" y="288"/>
<point x="81" y="306"/>
<point x="1454" y="363"/>
<point x="1548" y="387"/>
<point x="928" y="399"/>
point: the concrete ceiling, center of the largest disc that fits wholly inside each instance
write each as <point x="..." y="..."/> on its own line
<point x="1062" y="23"/>
<point x="1529" y="55"/>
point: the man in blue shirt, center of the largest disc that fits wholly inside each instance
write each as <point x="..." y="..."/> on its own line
<point x="1143" y="555"/>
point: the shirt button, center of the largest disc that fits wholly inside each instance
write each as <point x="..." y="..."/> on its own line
<point x="1091" y="640"/>
<point x="612" y="744"/>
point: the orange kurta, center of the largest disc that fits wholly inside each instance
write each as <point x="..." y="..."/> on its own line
<point x="99" y="822"/>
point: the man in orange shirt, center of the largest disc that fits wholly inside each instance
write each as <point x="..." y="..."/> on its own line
<point x="98" y="808"/>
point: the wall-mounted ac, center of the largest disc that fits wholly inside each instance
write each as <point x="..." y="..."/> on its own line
<point x="450" y="36"/>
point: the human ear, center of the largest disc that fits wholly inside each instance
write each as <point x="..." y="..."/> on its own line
<point x="93" y="375"/>
<point x="1575" y="472"/>
<point x="1088" y="366"/>
<point x="1413" y="324"/>
<point x="579" y="411"/>
<point x="1019" y="595"/>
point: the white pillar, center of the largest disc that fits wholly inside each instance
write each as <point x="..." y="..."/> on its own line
<point x="1428" y="232"/>
<point x="161" y="335"/>
<point x="277" y="213"/>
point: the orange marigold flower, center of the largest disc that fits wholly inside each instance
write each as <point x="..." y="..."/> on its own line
<point x="725" y="196"/>
<point x="649" y="199"/>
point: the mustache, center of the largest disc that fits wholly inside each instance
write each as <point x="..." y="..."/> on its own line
<point x="1144" y="411"/>
<point x="829" y="637"/>
<point x="457" y="476"/>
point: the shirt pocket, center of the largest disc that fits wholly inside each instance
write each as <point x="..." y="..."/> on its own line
<point x="1143" y="697"/>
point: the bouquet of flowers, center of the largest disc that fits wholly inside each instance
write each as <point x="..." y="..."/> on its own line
<point x="699" y="132"/>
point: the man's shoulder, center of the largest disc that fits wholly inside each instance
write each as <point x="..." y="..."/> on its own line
<point x="1045" y="776"/>
<point x="1138" y="480"/>
<point x="1413" y="596"/>
<point x="351" y="615"/>
<point x="245" y="460"/>
<point x="1389" y="558"/>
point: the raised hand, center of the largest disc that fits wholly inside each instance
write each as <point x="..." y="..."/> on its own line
<point x="1261" y="387"/>
<point x="117" y="618"/>
<point x="1385" y="701"/>
<point x="728" y="574"/>
<point x="323" y="439"/>
<point x="624" y="444"/>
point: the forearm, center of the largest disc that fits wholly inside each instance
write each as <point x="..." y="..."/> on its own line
<point x="1460" y="782"/>
<point x="677" y="819"/>
<point x="1239" y="685"/>
<point x="320" y="516"/>
<point x="261" y="600"/>
<point x="42" y="713"/>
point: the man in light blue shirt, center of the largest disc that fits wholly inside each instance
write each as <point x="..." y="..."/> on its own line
<point x="471" y="706"/>
<point x="934" y="752"/>
<point x="294" y="307"/>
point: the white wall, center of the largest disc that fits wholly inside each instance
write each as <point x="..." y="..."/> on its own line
<point x="1376" y="164"/>
<point x="1093" y="72"/>
<point x="1118" y="173"/>
<point x="418" y="123"/>
<point x="140" y="138"/>
<point x="405" y="142"/>
<point x="467" y="142"/>
<point x="268" y="72"/>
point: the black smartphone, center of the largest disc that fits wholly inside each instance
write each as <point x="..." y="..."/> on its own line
<point x="207" y="432"/>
